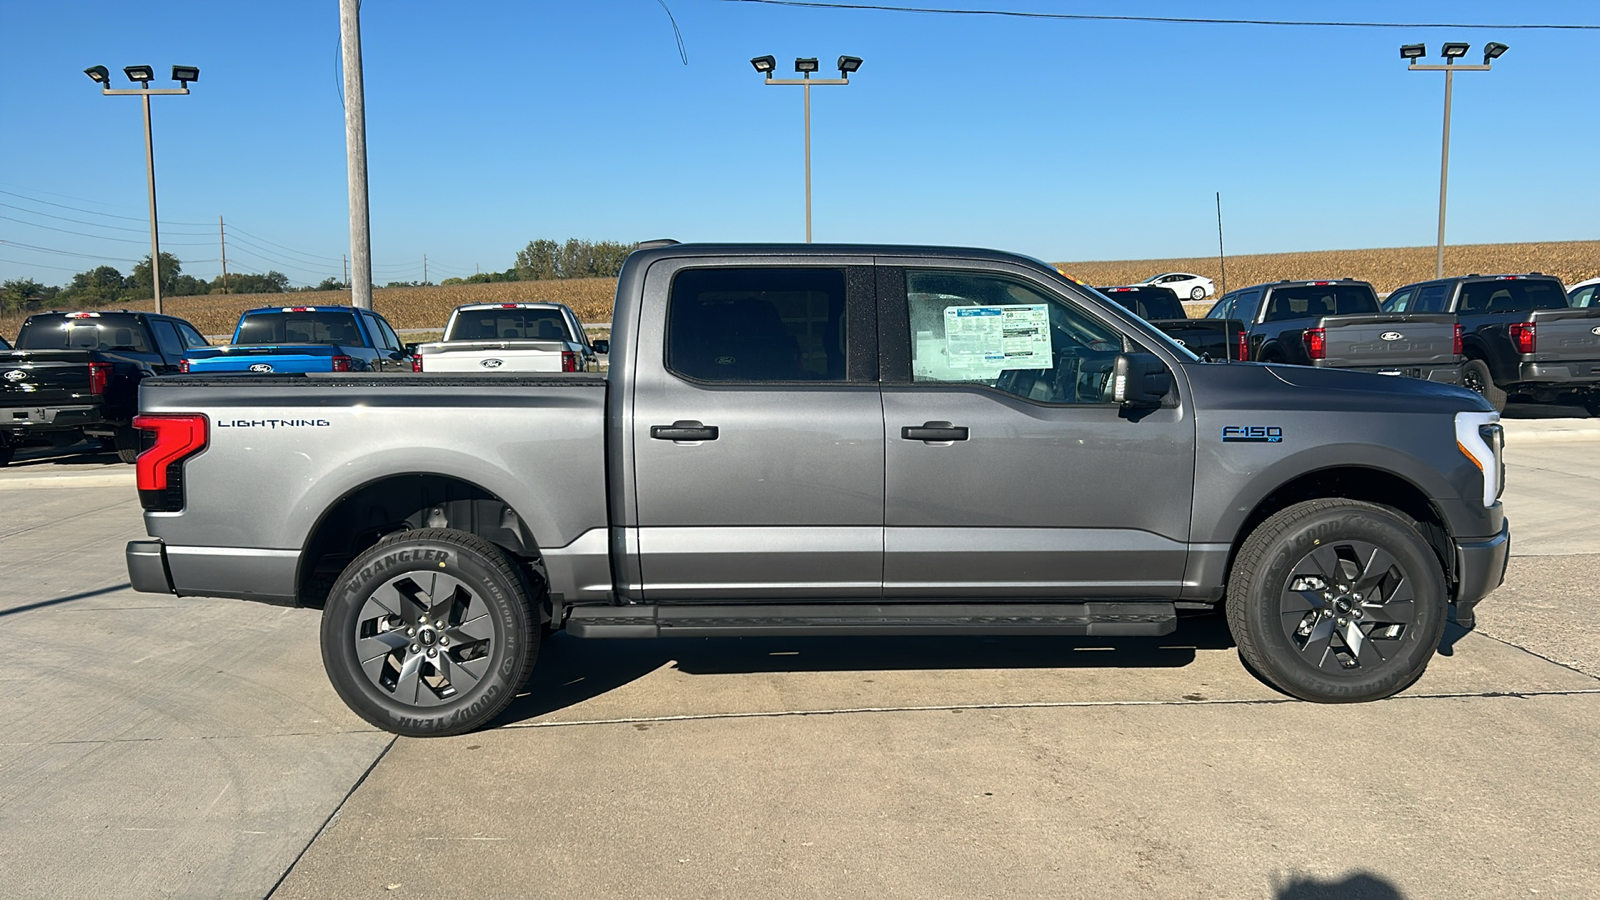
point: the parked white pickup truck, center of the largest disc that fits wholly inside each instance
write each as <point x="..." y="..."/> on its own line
<point x="511" y="337"/>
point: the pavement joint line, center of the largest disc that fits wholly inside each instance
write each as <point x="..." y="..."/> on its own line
<point x="1046" y="704"/>
<point x="328" y="822"/>
<point x="54" y="522"/>
<point x="1547" y="659"/>
<point x="193" y="738"/>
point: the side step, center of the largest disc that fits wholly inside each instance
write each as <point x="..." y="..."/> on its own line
<point x="1122" y="619"/>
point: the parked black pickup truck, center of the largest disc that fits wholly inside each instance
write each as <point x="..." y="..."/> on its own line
<point x="77" y="374"/>
<point x="1214" y="339"/>
<point x="1337" y="324"/>
<point x="1518" y="334"/>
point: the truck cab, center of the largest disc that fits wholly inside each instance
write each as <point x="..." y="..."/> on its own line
<point x="302" y="339"/>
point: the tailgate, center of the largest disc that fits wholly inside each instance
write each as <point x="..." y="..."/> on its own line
<point x="1383" y="341"/>
<point x="495" y="356"/>
<point x="45" y="378"/>
<point x="1566" y="334"/>
<point x="264" y="358"/>
<point x="1217" y="338"/>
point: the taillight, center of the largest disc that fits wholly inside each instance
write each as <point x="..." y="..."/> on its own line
<point x="341" y="364"/>
<point x="183" y="366"/>
<point x="569" y="361"/>
<point x="1524" y="336"/>
<point x="1455" y="347"/>
<point x="159" y="470"/>
<point x="1244" y="344"/>
<point x="1317" y="343"/>
<point x="99" y="374"/>
<point x="416" y="363"/>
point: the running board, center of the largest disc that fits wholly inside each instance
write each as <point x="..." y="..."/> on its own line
<point x="1135" y="619"/>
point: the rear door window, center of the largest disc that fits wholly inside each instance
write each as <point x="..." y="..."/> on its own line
<point x="758" y="324"/>
<point x="191" y="338"/>
<point x="1435" y="298"/>
<point x="1244" y="306"/>
<point x="1583" y="298"/>
<point x="1399" y="301"/>
<point x="167" y="339"/>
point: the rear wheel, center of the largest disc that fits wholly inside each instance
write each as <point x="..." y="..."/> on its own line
<point x="129" y="443"/>
<point x="1337" y="601"/>
<point x="430" y="633"/>
<point x="6" y="452"/>
<point x="1475" y="377"/>
<point x="1197" y="293"/>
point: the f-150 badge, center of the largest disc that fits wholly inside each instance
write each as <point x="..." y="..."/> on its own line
<point x="1251" y="434"/>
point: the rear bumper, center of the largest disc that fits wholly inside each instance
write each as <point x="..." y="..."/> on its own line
<point x="1480" y="568"/>
<point x="242" y="573"/>
<point x="23" y="420"/>
<point x="1441" y="374"/>
<point x="1579" y="373"/>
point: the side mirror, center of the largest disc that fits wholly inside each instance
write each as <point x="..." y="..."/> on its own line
<point x="1139" y="380"/>
<point x="601" y="346"/>
<point x="411" y="349"/>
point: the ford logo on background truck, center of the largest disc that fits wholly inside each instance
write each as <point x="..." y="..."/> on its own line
<point x="261" y="367"/>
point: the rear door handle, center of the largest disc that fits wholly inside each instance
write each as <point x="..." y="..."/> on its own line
<point x="686" y="430"/>
<point x="934" y="431"/>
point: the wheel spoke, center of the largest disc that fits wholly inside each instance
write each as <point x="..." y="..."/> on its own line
<point x="463" y="675"/>
<point x="444" y="593"/>
<point x="408" y="687"/>
<point x="477" y="628"/>
<point x="1374" y="570"/>
<point x="1395" y="612"/>
<point x="379" y="645"/>
<point x="1362" y="647"/>
<point x="1297" y="602"/>
<point x="1317" y="645"/>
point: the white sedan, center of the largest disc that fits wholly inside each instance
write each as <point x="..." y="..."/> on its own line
<point x="1583" y="294"/>
<point x="1185" y="284"/>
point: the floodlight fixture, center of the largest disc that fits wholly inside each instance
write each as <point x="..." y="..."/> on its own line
<point x="1454" y="50"/>
<point x="1493" y="50"/>
<point x="765" y="64"/>
<point x="848" y="64"/>
<point x="1413" y="51"/>
<point x="142" y="74"/>
<point x="185" y="74"/>
<point x="99" y="73"/>
<point x="806" y="64"/>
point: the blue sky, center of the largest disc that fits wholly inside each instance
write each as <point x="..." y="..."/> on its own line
<point x="494" y="123"/>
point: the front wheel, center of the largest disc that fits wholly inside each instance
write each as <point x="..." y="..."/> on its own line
<point x="1337" y="601"/>
<point x="1197" y="293"/>
<point x="430" y="633"/>
<point x="1475" y="377"/>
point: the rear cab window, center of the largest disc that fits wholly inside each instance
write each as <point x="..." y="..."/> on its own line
<point x="518" y="324"/>
<point x="310" y="327"/>
<point x="85" y="331"/>
<point x="1300" y="301"/>
<point x="1512" y="295"/>
<point x="759" y="324"/>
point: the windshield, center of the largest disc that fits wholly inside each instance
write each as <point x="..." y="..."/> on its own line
<point x="275" y="327"/>
<point x="509" y="324"/>
<point x="1512" y="294"/>
<point x="104" y="332"/>
<point x="1307" y="300"/>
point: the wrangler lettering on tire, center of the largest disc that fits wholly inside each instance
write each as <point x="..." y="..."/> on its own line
<point x="430" y="632"/>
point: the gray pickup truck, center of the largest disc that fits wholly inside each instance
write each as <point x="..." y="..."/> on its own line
<point x="827" y="440"/>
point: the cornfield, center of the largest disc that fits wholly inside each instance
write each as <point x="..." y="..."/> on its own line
<point x="591" y="298"/>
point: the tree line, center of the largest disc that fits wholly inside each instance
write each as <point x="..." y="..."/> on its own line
<point x="541" y="260"/>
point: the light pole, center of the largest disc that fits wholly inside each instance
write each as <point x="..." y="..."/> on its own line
<point x="805" y="66"/>
<point x="1451" y="52"/>
<point x="144" y="75"/>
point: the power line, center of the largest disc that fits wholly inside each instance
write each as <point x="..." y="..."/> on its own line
<point x="99" y="237"/>
<point x="91" y="211"/>
<point x="1175" y="20"/>
<point x="34" y="212"/>
<point x="39" y="249"/>
<point x="236" y="229"/>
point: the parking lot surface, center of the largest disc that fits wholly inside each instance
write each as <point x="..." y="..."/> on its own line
<point x="157" y="746"/>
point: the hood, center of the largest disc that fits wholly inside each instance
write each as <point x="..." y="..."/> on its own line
<point x="1269" y="386"/>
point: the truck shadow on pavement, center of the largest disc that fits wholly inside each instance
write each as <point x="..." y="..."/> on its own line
<point x="572" y="670"/>
<point x="1359" y="886"/>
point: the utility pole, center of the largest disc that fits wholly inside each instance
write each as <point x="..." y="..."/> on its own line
<point x="355" y="142"/>
<point x="424" y="268"/>
<point x="1221" y="259"/>
<point x="805" y="66"/>
<point x="345" y="259"/>
<point x="222" y="235"/>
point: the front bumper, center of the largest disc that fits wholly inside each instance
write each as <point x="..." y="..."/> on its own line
<point x="1480" y="568"/>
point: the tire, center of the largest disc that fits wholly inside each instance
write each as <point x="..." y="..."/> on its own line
<point x="394" y="667"/>
<point x="6" y="452"/>
<point x="1293" y="636"/>
<point x="1475" y="377"/>
<point x="1197" y="293"/>
<point x="129" y="442"/>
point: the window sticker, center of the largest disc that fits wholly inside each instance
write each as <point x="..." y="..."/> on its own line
<point x="992" y="339"/>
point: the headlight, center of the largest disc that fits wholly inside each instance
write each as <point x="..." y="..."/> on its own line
<point x="1480" y="438"/>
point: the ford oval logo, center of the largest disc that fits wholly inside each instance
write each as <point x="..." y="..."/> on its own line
<point x="261" y="367"/>
<point x="1594" y="330"/>
<point x="1392" y="336"/>
<point x="492" y="363"/>
<point x="16" y="375"/>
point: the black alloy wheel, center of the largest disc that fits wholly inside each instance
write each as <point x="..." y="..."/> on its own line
<point x="430" y="632"/>
<point x="1337" y="601"/>
<point x="1475" y="377"/>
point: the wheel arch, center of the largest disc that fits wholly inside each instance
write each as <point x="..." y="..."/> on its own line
<point x="408" y="501"/>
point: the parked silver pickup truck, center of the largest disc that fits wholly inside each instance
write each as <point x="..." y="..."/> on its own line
<point x="510" y="337"/>
<point x="834" y="440"/>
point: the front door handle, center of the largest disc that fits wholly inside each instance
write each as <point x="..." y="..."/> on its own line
<point x="934" y="431"/>
<point x="686" y="430"/>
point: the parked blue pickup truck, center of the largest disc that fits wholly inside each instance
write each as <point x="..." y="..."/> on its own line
<point x="290" y="340"/>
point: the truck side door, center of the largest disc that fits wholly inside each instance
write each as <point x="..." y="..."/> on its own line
<point x="756" y="433"/>
<point x="1010" y="473"/>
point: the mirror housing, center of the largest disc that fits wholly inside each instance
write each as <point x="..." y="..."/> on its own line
<point x="601" y="346"/>
<point x="411" y="349"/>
<point x="1140" y="380"/>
